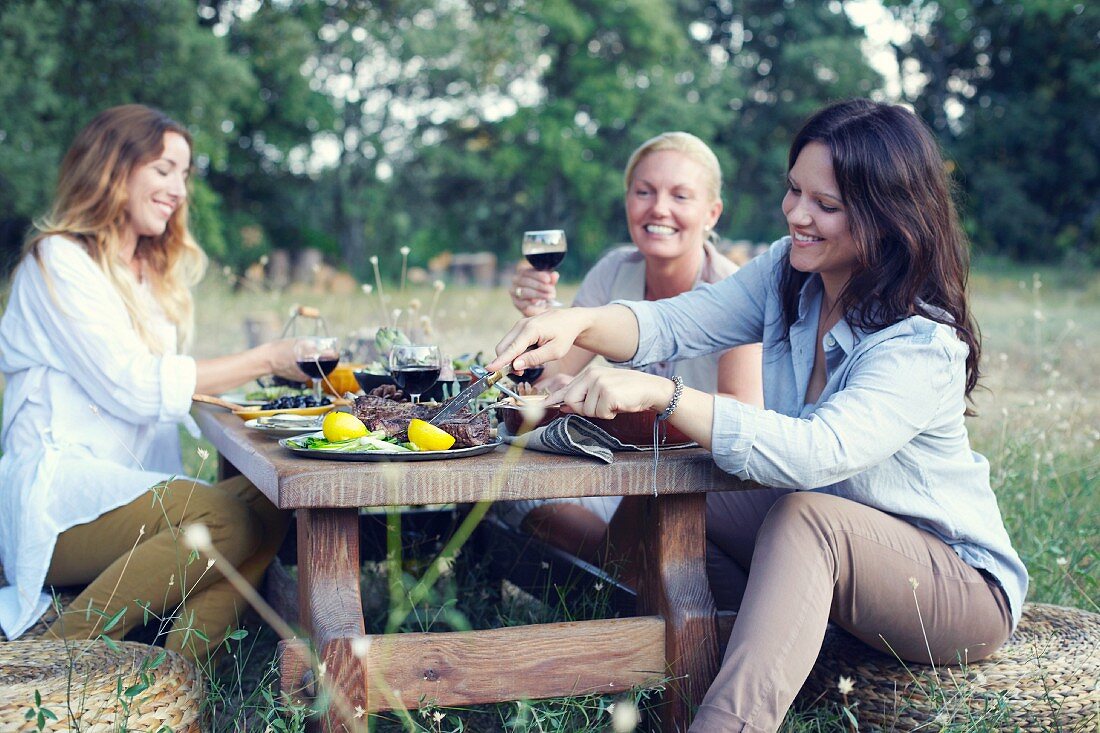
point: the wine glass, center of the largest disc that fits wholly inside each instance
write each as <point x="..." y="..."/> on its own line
<point x="317" y="356"/>
<point x="415" y="368"/>
<point x="545" y="250"/>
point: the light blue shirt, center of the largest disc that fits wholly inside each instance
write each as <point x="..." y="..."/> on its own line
<point x="887" y="431"/>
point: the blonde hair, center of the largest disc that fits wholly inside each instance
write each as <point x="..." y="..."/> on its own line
<point x="689" y="145"/>
<point x="90" y="208"/>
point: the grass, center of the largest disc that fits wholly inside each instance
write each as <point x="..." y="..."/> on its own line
<point x="1038" y="423"/>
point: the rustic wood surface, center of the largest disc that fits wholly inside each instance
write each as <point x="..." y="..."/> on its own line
<point x="680" y="641"/>
<point x="291" y="481"/>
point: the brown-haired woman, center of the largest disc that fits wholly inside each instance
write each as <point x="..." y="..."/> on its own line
<point x="882" y="519"/>
<point x="96" y="388"/>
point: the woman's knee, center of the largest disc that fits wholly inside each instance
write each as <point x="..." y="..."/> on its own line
<point x="235" y="530"/>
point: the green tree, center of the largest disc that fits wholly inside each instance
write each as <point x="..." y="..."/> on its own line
<point x="62" y="61"/>
<point x="1011" y="89"/>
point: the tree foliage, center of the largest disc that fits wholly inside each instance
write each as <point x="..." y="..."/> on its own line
<point x="1011" y="88"/>
<point x="359" y="127"/>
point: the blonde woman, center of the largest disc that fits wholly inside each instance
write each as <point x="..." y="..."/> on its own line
<point x="673" y="202"/>
<point x="95" y="389"/>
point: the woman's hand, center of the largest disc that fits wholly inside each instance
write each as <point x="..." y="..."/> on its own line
<point x="604" y="392"/>
<point x="610" y="331"/>
<point x="281" y="360"/>
<point x="532" y="290"/>
<point x="550" y="335"/>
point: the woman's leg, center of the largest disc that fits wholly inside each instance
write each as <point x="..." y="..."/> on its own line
<point x="136" y="554"/>
<point x="819" y="558"/>
<point x="733" y="519"/>
<point x="216" y="609"/>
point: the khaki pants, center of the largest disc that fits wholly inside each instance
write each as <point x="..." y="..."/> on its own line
<point x="134" y="559"/>
<point x="791" y="562"/>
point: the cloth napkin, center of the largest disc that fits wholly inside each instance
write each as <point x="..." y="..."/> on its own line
<point x="570" y="435"/>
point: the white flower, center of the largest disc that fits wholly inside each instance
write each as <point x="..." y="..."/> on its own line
<point x="197" y="537"/>
<point x="360" y="646"/>
<point x="203" y="453"/>
<point x="845" y="685"/>
<point x="624" y="717"/>
<point x="1062" y="562"/>
<point x="367" y="288"/>
<point x="374" y="259"/>
<point x="404" y="251"/>
<point x="913" y="582"/>
<point x="438" y="285"/>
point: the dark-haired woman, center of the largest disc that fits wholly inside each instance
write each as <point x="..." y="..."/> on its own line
<point x="882" y="519"/>
<point x="91" y="484"/>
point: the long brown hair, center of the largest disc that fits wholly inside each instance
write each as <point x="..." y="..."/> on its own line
<point x="913" y="258"/>
<point x="90" y="208"/>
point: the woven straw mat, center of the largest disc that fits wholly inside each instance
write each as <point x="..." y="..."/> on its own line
<point x="1044" y="678"/>
<point x="90" y="700"/>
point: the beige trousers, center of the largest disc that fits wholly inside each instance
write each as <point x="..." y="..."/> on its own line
<point x="790" y="562"/>
<point x="134" y="559"/>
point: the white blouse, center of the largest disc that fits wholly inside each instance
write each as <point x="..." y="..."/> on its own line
<point x="90" y="413"/>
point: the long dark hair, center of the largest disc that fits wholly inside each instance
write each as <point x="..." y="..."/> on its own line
<point x="913" y="258"/>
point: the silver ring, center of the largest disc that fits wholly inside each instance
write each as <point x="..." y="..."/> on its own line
<point x="519" y="292"/>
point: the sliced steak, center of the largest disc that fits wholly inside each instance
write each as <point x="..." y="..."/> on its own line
<point x="378" y="413"/>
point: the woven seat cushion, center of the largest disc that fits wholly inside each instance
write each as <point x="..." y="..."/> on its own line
<point x="1044" y="678"/>
<point x="136" y="687"/>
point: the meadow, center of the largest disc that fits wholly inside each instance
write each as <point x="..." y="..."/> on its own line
<point x="1038" y="422"/>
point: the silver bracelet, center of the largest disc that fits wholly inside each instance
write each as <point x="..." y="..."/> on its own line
<point x="677" y="392"/>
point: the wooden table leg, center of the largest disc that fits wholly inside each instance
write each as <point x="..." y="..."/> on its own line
<point x="673" y="584"/>
<point x="331" y="607"/>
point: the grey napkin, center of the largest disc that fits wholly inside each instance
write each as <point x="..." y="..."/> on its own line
<point x="570" y="435"/>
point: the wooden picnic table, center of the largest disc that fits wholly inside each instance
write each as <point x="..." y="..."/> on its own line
<point x="674" y="638"/>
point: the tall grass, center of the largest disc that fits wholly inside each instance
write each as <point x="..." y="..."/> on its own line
<point x="1038" y="423"/>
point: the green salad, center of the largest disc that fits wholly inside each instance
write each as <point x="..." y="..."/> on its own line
<point x="376" y="440"/>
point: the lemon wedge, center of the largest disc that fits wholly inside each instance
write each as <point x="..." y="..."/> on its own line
<point x="428" y="437"/>
<point x="339" y="426"/>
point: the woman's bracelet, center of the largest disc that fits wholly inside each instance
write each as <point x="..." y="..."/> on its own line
<point x="677" y="392"/>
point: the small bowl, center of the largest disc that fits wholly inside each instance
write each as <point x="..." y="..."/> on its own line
<point x="632" y="428"/>
<point x="368" y="381"/>
<point x="342" y="379"/>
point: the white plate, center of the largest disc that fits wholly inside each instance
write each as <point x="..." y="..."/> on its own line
<point x="385" y="455"/>
<point x="284" y="429"/>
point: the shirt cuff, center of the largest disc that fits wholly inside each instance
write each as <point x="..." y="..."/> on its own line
<point x="178" y="377"/>
<point x="733" y="433"/>
<point x="647" y="332"/>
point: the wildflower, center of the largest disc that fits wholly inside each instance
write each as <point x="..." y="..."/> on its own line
<point x="203" y="453"/>
<point x="624" y="717"/>
<point x="845" y="685"/>
<point x="438" y="716"/>
<point x="913" y="582"/>
<point x="404" y="251"/>
<point x="359" y="712"/>
<point x="210" y="563"/>
<point x="171" y="580"/>
<point x="360" y="646"/>
<point x="263" y="260"/>
<point x="367" y="288"/>
<point x="374" y="259"/>
<point x="197" y="537"/>
<point x="1062" y="562"/>
<point x="414" y="305"/>
<point x="438" y="286"/>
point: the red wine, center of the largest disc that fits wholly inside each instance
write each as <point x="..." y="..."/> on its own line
<point x="415" y="379"/>
<point x="310" y="366"/>
<point x="545" y="260"/>
<point x="530" y="374"/>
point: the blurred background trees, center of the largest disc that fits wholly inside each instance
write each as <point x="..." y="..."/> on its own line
<point x="355" y="128"/>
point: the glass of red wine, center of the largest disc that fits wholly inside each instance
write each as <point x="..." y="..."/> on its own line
<point x="415" y="368"/>
<point x="545" y="249"/>
<point x="317" y="356"/>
